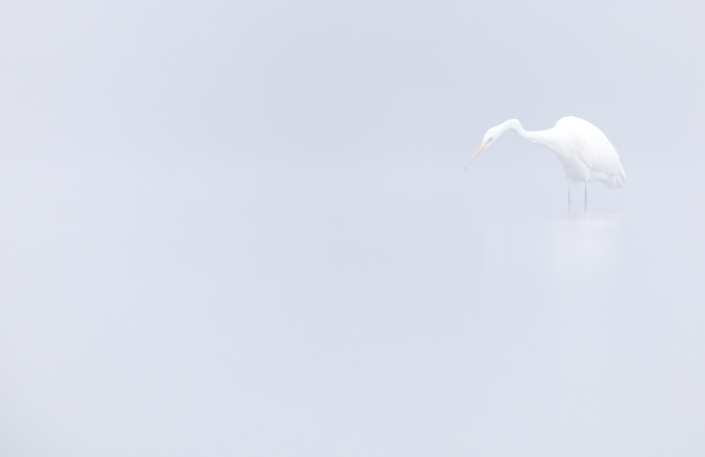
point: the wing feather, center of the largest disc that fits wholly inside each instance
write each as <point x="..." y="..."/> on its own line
<point x="593" y="148"/>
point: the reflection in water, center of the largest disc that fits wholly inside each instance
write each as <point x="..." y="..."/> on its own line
<point x="585" y="246"/>
<point x="572" y="248"/>
<point x="548" y="291"/>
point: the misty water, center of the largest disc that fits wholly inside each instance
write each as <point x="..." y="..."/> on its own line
<point x="347" y="307"/>
<point x="244" y="229"/>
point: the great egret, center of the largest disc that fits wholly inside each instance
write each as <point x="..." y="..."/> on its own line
<point x="584" y="151"/>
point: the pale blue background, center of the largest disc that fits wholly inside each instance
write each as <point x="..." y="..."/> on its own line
<point x="245" y="229"/>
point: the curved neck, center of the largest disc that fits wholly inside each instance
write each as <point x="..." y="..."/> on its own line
<point x="541" y="137"/>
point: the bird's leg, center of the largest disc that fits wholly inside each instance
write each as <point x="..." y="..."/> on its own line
<point x="569" y="195"/>
<point x="586" y="196"/>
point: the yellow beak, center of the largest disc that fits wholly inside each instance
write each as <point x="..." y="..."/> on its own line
<point x="477" y="153"/>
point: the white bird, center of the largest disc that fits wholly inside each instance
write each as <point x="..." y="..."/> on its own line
<point x="584" y="151"/>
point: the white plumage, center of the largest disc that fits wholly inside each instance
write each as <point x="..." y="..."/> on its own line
<point x="584" y="151"/>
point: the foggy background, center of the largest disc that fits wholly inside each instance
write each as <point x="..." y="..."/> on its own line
<point x="244" y="228"/>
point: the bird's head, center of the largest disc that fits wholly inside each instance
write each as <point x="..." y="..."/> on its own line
<point x="494" y="133"/>
<point x="491" y="135"/>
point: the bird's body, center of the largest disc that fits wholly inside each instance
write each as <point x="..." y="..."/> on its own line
<point x="582" y="149"/>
